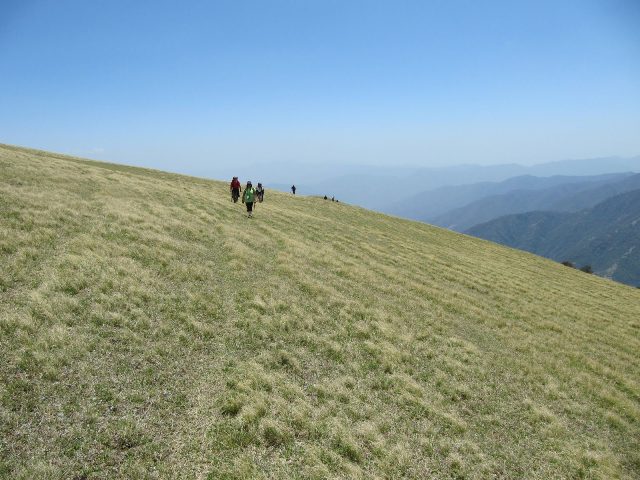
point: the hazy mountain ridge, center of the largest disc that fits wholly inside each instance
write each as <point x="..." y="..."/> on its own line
<point x="606" y="236"/>
<point x="381" y="187"/>
<point x="569" y="197"/>
<point x="433" y="206"/>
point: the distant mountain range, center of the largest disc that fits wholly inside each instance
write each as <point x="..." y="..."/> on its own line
<point x="445" y="206"/>
<point x="605" y="236"/>
<point x="382" y="188"/>
<point x="564" y="197"/>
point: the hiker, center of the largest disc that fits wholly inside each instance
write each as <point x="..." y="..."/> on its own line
<point x="248" y="198"/>
<point x="260" y="192"/>
<point x="333" y="199"/>
<point x="325" y="197"/>
<point x="293" y="189"/>
<point x="235" y="189"/>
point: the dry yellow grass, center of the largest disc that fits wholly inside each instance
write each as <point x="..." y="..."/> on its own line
<point x="149" y="330"/>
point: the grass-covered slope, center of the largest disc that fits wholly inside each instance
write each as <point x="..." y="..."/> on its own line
<point x="149" y="330"/>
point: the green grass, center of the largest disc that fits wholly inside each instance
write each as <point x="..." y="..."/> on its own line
<point x="149" y="330"/>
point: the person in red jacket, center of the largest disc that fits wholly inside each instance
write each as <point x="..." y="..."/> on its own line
<point x="235" y="189"/>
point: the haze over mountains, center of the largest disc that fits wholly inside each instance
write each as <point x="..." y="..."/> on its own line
<point x="565" y="197"/>
<point x="434" y="206"/>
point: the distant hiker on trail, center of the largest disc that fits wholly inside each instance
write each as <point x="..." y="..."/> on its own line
<point x="260" y="192"/>
<point x="293" y="189"/>
<point x="248" y="197"/>
<point x="235" y="189"/>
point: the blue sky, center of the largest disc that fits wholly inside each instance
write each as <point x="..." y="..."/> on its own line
<point x="189" y="86"/>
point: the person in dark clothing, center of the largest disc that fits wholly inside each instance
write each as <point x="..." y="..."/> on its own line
<point x="260" y="192"/>
<point x="235" y="189"/>
<point x="293" y="189"/>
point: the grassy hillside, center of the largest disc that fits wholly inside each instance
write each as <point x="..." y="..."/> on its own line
<point x="149" y="330"/>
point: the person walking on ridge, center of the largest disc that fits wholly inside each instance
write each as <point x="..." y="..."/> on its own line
<point x="260" y="192"/>
<point x="293" y="189"/>
<point x="235" y="189"/>
<point x="248" y="197"/>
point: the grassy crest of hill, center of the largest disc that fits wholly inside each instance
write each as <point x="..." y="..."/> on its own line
<point x="607" y="236"/>
<point x="149" y="330"/>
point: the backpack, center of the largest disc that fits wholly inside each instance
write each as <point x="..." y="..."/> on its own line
<point x="248" y="195"/>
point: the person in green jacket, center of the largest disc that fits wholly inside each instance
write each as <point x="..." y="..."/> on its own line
<point x="248" y="197"/>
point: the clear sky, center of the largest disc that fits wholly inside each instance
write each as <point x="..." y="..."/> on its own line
<point x="186" y="85"/>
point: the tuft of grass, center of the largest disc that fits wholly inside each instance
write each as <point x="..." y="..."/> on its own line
<point x="346" y="447"/>
<point x="148" y="329"/>
<point x="275" y="434"/>
<point x="231" y="408"/>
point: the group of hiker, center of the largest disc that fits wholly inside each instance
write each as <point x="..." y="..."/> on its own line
<point x="250" y="196"/>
